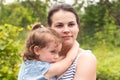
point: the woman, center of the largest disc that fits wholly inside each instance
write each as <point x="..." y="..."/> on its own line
<point x="65" y="21"/>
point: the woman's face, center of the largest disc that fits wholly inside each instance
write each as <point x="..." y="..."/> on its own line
<point x="64" y="22"/>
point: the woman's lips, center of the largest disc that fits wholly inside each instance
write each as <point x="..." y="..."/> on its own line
<point x="66" y="37"/>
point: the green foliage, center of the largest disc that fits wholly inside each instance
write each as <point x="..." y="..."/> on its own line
<point x="108" y="62"/>
<point x="100" y="24"/>
<point x="38" y="9"/>
<point x="9" y="48"/>
<point x="23" y="13"/>
<point x="15" y="14"/>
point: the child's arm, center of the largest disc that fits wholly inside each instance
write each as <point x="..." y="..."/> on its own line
<point x="62" y="65"/>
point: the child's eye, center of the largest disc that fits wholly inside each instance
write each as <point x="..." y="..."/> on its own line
<point x="53" y="52"/>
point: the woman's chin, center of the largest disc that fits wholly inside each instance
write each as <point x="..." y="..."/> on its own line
<point x="67" y="43"/>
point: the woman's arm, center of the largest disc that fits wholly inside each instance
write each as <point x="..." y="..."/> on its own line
<point x="86" y="67"/>
<point x="62" y="65"/>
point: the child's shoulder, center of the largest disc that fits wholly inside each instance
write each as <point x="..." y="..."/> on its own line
<point x="31" y="69"/>
<point x="36" y="67"/>
<point x="36" y="63"/>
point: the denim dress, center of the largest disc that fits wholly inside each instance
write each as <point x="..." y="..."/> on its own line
<point x="34" y="70"/>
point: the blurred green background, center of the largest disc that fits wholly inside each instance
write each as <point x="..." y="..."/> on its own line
<point x="99" y="32"/>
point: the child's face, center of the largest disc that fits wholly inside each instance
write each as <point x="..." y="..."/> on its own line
<point x="50" y="53"/>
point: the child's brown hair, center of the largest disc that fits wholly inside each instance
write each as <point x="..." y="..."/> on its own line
<point x="39" y="36"/>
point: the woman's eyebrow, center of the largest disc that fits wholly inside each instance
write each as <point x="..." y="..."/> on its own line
<point x="71" y="21"/>
<point x="59" y="23"/>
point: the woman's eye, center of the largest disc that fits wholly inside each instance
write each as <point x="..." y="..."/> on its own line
<point x="71" y="25"/>
<point x="59" y="26"/>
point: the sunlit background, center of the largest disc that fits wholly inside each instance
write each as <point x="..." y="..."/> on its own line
<point x="99" y="32"/>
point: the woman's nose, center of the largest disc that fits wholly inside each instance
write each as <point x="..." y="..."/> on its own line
<point x="66" y="29"/>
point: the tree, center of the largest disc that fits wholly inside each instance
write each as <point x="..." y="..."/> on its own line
<point x="15" y="14"/>
<point x="99" y="24"/>
<point x="24" y="13"/>
<point x="9" y="52"/>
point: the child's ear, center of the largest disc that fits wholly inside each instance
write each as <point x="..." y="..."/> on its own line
<point x="36" y="50"/>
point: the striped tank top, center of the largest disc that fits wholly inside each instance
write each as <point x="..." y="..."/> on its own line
<point x="69" y="74"/>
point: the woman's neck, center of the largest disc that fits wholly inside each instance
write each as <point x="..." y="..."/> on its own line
<point x="64" y="50"/>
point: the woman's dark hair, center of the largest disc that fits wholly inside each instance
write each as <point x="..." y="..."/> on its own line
<point x="57" y="7"/>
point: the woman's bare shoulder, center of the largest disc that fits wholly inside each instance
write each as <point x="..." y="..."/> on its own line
<point x="87" y="54"/>
<point x="86" y="65"/>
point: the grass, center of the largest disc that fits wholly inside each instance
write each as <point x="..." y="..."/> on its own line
<point x="107" y="62"/>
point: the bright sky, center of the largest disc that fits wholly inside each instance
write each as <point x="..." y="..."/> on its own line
<point x="67" y="1"/>
<point x="8" y="1"/>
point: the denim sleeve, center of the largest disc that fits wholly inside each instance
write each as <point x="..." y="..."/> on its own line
<point x="33" y="70"/>
<point x="41" y="77"/>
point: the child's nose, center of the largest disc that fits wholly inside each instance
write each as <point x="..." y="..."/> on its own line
<point x="56" y="56"/>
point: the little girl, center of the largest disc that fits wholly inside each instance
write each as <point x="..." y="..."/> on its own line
<point x="41" y="56"/>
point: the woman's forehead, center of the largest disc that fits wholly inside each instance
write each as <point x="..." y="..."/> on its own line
<point x="63" y="16"/>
